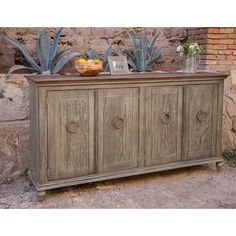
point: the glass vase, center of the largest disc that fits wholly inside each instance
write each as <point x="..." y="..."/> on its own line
<point x="191" y="63"/>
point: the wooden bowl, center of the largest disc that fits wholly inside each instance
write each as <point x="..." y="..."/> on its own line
<point x="88" y="68"/>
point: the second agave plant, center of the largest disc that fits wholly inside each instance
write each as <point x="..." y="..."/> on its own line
<point x="51" y="61"/>
<point x="144" y="55"/>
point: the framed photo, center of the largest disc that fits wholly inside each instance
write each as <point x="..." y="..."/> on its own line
<point x="118" y="65"/>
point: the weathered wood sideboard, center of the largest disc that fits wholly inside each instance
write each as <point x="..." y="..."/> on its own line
<point x="98" y="128"/>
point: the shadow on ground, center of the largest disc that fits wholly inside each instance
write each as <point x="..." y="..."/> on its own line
<point x="192" y="187"/>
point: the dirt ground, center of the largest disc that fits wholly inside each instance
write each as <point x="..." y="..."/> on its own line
<point x="193" y="187"/>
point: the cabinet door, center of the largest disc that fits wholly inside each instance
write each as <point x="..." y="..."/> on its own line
<point x="70" y="133"/>
<point x="117" y="139"/>
<point x="200" y="121"/>
<point x="163" y="122"/>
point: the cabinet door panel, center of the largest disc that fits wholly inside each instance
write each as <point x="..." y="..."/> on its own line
<point x="117" y="139"/>
<point x="70" y="133"/>
<point x="164" y="114"/>
<point x="200" y="121"/>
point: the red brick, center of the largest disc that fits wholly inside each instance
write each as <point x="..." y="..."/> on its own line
<point x="227" y="30"/>
<point x="217" y="36"/>
<point x="216" y="47"/>
<point x="225" y="52"/>
<point x="231" y="57"/>
<point x="213" y="31"/>
<point x="211" y="62"/>
<point x="207" y="62"/>
<point x="224" y="62"/>
<point x="211" y="51"/>
<point x="231" y="46"/>
<point x="224" y="67"/>
<point x="213" y="41"/>
<point x="226" y="41"/>
<point x="232" y="36"/>
<point x="215" y="57"/>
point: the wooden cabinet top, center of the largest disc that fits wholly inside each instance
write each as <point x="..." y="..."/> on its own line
<point x="131" y="77"/>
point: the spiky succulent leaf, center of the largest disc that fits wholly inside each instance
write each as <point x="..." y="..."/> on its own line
<point x="153" y="59"/>
<point x="132" y="64"/>
<point x="137" y="53"/>
<point x="58" y="57"/>
<point x="44" y="50"/>
<point x="38" y="50"/>
<point x="108" y="53"/>
<point x="144" y="47"/>
<point x="19" y="67"/>
<point x="25" y="53"/>
<point x="153" y="43"/>
<point x="54" y="48"/>
<point x="140" y="65"/>
<point x="63" y="60"/>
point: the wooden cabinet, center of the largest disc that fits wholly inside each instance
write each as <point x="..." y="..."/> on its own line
<point x="91" y="129"/>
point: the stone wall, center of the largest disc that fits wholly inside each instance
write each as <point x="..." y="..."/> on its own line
<point x="84" y="39"/>
<point x="14" y="126"/>
<point x="229" y="112"/>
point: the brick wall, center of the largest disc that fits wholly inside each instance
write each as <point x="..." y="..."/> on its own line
<point x="219" y="47"/>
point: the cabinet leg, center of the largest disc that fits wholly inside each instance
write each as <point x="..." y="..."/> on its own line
<point x="219" y="166"/>
<point x="41" y="195"/>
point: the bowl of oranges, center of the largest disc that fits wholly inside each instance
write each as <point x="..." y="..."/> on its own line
<point x="88" y="67"/>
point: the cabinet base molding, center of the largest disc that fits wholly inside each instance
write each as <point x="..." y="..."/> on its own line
<point x="41" y="188"/>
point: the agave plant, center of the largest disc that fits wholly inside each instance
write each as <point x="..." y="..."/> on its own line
<point x="144" y="55"/>
<point x="92" y="54"/>
<point x="51" y="61"/>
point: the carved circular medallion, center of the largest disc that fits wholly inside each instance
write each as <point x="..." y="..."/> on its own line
<point x="118" y="122"/>
<point x="165" y="118"/>
<point x="72" y="126"/>
<point x="201" y="116"/>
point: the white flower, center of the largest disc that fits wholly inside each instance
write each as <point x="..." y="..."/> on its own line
<point x="179" y="48"/>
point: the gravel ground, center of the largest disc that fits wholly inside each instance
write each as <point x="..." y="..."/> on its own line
<point x="193" y="187"/>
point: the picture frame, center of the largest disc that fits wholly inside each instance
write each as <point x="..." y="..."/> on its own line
<point x="118" y="65"/>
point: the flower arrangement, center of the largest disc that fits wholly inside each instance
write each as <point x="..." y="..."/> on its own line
<point x="189" y="49"/>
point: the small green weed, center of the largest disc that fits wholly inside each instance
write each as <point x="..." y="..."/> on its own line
<point x="230" y="157"/>
<point x="24" y="173"/>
